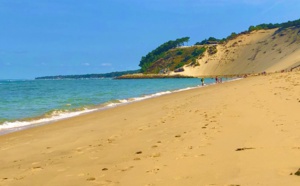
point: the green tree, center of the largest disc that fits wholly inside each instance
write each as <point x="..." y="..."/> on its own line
<point x="158" y="53"/>
<point x="232" y="36"/>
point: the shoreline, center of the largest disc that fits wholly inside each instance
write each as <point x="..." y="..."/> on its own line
<point x="23" y="124"/>
<point x="152" y="76"/>
<point x="235" y="133"/>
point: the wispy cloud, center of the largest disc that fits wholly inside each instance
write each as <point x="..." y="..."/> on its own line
<point x="232" y="2"/>
<point x="106" y="64"/>
<point x="274" y="5"/>
<point x="86" y="64"/>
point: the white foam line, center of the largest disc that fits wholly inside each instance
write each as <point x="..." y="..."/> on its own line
<point x="19" y="125"/>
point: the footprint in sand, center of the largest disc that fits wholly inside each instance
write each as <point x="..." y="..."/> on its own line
<point x="37" y="168"/>
<point x="91" y="179"/>
<point x="155" y="155"/>
<point x="297" y="173"/>
<point x="140" y="129"/>
<point x="126" y="168"/>
<point x="106" y="182"/>
<point x="139" y="152"/>
<point x="197" y="156"/>
<point x="113" y="138"/>
<point x="163" y="121"/>
<point x="79" y="150"/>
<point x="153" y="171"/>
<point x="244" y="148"/>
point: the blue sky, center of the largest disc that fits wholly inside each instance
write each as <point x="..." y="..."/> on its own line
<point x="61" y="37"/>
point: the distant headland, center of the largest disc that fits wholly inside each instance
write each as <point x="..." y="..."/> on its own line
<point x="90" y="76"/>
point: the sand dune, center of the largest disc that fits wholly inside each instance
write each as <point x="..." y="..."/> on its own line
<point x="244" y="132"/>
<point x="259" y="51"/>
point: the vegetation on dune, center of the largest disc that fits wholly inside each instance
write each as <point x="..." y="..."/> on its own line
<point x="210" y="40"/>
<point x="277" y="25"/>
<point x="233" y="35"/>
<point x="214" y="41"/>
<point x="170" y="56"/>
<point x="212" y="50"/>
<point x="175" y="58"/>
<point x="160" y="51"/>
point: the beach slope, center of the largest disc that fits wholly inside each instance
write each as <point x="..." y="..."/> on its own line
<point x="243" y="132"/>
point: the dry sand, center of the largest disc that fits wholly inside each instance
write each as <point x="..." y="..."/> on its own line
<point x="244" y="132"/>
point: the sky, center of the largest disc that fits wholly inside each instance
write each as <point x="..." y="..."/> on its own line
<point x="66" y="37"/>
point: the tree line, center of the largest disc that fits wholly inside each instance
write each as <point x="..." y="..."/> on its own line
<point x="157" y="53"/>
<point x="91" y="76"/>
<point x="264" y="26"/>
<point x="277" y="25"/>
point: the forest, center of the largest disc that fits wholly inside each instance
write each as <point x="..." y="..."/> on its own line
<point x="90" y="76"/>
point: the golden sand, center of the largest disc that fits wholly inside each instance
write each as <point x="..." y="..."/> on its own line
<point x="245" y="132"/>
<point x="255" y="52"/>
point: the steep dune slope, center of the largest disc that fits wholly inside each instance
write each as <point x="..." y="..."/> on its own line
<point x="264" y="50"/>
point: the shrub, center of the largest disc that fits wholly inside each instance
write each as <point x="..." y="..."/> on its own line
<point x="212" y="50"/>
<point x="179" y="52"/>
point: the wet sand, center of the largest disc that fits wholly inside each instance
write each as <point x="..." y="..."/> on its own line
<point x="244" y="132"/>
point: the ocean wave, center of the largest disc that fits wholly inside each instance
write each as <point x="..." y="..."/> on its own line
<point x="56" y="115"/>
<point x="48" y="117"/>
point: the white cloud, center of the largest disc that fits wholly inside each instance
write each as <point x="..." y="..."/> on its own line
<point x="86" y="64"/>
<point x="106" y="64"/>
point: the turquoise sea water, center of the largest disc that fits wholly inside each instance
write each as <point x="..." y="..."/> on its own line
<point x="27" y="102"/>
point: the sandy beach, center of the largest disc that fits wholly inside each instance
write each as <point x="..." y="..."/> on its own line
<point x="244" y="132"/>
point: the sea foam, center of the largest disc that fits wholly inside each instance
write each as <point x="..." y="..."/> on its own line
<point x="59" y="115"/>
<point x="55" y="115"/>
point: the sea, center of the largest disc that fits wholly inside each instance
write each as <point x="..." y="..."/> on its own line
<point x="27" y="103"/>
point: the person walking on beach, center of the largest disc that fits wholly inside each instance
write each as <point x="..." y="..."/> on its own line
<point x="217" y="81"/>
<point x="202" y="81"/>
